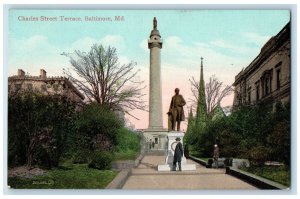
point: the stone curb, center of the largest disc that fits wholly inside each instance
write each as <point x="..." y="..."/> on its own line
<point x="202" y="162"/>
<point x="126" y="170"/>
<point x="257" y="181"/>
<point x="119" y="180"/>
<point x="139" y="159"/>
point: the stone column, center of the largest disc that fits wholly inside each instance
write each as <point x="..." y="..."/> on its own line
<point x="155" y="99"/>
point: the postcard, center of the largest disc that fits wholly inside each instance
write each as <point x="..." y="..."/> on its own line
<point x="193" y="99"/>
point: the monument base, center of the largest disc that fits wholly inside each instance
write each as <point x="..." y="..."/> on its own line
<point x="155" y="140"/>
<point x="170" y="154"/>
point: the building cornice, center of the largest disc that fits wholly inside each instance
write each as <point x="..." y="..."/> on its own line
<point x="275" y="43"/>
<point x="47" y="79"/>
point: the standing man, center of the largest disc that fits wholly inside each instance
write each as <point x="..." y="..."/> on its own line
<point x="176" y="109"/>
<point x="178" y="153"/>
<point x="216" y="155"/>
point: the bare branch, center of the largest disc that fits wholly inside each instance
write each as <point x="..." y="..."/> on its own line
<point x="214" y="90"/>
<point x="102" y="79"/>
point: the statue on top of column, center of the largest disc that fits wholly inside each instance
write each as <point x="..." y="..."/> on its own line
<point x="154" y="23"/>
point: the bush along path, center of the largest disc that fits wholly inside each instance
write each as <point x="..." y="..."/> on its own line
<point x="95" y="138"/>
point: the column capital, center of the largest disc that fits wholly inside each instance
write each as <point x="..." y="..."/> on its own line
<point x="154" y="44"/>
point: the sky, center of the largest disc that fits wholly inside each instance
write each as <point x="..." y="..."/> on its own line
<point x="228" y="40"/>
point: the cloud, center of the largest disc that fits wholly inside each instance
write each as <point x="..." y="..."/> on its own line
<point x="34" y="44"/>
<point x="240" y="49"/>
<point x="32" y="54"/>
<point x="37" y="51"/>
<point x="144" y="45"/>
<point x="116" y="41"/>
<point x="187" y="57"/>
<point x="254" y="38"/>
<point x="83" y="44"/>
<point x="86" y="43"/>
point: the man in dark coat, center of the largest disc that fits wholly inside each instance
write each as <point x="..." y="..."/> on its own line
<point x="178" y="153"/>
<point x="176" y="110"/>
<point x="216" y="155"/>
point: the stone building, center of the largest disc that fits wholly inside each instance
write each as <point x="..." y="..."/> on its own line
<point x="43" y="84"/>
<point x="267" y="77"/>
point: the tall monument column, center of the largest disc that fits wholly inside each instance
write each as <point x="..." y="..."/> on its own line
<point x="155" y="99"/>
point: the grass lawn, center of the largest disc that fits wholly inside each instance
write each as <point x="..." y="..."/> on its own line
<point x="197" y="155"/>
<point x="280" y="174"/>
<point x="126" y="155"/>
<point x="205" y="159"/>
<point x="67" y="176"/>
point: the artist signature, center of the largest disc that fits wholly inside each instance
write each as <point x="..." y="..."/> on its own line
<point x="45" y="182"/>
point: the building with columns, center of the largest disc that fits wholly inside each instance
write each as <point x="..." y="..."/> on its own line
<point x="268" y="77"/>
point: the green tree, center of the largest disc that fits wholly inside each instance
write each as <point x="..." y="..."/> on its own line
<point x="189" y="136"/>
<point x="255" y="132"/>
<point x="38" y="126"/>
<point x="96" y="128"/>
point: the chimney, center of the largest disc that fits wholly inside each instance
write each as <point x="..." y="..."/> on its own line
<point x="21" y="73"/>
<point x="43" y="73"/>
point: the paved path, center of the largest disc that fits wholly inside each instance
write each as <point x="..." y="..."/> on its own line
<point x="146" y="176"/>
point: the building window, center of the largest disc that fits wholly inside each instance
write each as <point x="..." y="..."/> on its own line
<point x="267" y="86"/>
<point x="243" y="91"/>
<point x="17" y="87"/>
<point x="257" y="91"/>
<point x="239" y="97"/>
<point x="249" y="97"/>
<point x="266" y="81"/>
<point x="278" y="78"/>
<point x="29" y="87"/>
<point x="156" y="140"/>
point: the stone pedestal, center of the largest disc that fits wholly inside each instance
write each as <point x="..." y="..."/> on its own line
<point x="155" y="140"/>
<point x="170" y="154"/>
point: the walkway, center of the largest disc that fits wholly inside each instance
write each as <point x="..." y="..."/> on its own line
<point x="146" y="176"/>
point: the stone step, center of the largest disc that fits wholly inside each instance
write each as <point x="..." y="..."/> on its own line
<point x="184" y="167"/>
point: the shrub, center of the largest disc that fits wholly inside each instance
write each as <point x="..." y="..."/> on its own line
<point x="247" y="130"/>
<point x="81" y="157"/>
<point x="127" y="140"/>
<point x="228" y="162"/>
<point x="101" y="160"/>
<point x="258" y="155"/>
<point x="279" y="142"/>
<point x="38" y="126"/>
<point x="128" y="145"/>
<point x="229" y="143"/>
<point x="96" y="128"/>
